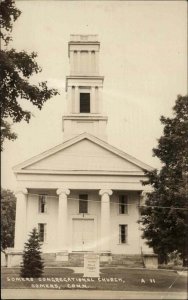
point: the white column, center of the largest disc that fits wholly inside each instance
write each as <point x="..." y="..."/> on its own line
<point x="72" y="71"/>
<point x="62" y="232"/>
<point x="73" y="99"/>
<point x="97" y="62"/>
<point x="69" y="99"/>
<point x="90" y="63"/>
<point x="77" y="100"/>
<point x="100" y="100"/>
<point x="75" y="64"/>
<point x="97" y="99"/>
<point x="105" y="220"/>
<point x="92" y="99"/>
<point x="142" y="197"/>
<point x="93" y="62"/>
<point x="21" y="217"/>
<point x="79" y="66"/>
<point x="86" y="63"/>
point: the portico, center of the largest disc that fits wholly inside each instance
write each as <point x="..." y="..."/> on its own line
<point x="67" y="228"/>
<point x="23" y="197"/>
<point x="84" y="239"/>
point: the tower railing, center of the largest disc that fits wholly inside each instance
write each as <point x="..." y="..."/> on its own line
<point x="83" y="38"/>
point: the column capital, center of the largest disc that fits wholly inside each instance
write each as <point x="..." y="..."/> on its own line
<point x="144" y="193"/>
<point x="63" y="191"/>
<point x="108" y="192"/>
<point x="21" y="191"/>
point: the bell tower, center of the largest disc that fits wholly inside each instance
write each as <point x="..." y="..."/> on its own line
<point x="84" y="89"/>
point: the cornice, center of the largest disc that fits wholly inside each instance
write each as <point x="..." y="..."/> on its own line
<point x="82" y="172"/>
<point x="20" y="167"/>
<point x="84" y="117"/>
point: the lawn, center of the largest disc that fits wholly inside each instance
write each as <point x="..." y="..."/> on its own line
<point x="110" y="279"/>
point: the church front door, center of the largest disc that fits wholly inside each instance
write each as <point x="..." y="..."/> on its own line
<point x="83" y="237"/>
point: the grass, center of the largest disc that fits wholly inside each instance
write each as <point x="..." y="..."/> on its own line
<point x="110" y="279"/>
<point x="173" y="267"/>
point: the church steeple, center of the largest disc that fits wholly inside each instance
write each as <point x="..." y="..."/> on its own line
<point x="84" y="89"/>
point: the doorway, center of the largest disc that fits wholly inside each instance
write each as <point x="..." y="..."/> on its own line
<point x="83" y="236"/>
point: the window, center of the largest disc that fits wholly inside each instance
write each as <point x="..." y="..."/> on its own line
<point x="85" y="102"/>
<point x="42" y="232"/>
<point x="123" y="234"/>
<point x="83" y="204"/>
<point x="42" y="204"/>
<point x="123" y="204"/>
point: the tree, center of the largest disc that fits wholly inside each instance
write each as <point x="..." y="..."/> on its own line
<point x="8" y="14"/>
<point x="6" y="132"/>
<point x="165" y="217"/>
<point x="8" y="211"/>
<point x="16" y="70"/>
<point x="32" y="265"/>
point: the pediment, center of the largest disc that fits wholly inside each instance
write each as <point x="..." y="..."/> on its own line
<point x="85" y="153"/>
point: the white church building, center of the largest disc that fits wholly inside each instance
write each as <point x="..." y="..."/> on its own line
<point x="84" y="194"/>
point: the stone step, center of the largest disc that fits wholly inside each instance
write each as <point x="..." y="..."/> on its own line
<point x="127" y="260"/>
<point x="77" y="260"/>
<point x="48" y="256"/>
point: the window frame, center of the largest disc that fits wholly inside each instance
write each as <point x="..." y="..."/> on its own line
<point x="89" y="103"/>
<point x="123" y="227"/>
<point x="83" y="201"/>
<point x="42" y="198"/>
<point x="123" y="207"/>
<point x="43" y="239"/>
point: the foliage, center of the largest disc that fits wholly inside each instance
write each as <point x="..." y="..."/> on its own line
<point x="32" y="265"/>
<point x="174" y="258"/>
<point x="6" y="132"/>
<point x="165" y="216"/>
<point x="8" y="14"/>
<point x="16" y="70"/>
<point x="8" y="211"/>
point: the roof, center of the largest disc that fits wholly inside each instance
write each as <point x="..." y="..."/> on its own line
<point x="99" y="146"/>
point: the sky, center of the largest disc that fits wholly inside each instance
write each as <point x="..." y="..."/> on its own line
<point x="143" y="57"/>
